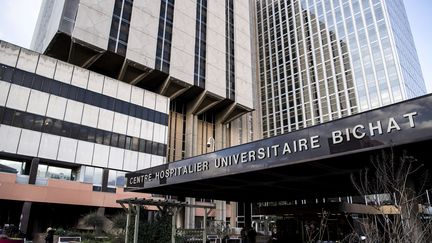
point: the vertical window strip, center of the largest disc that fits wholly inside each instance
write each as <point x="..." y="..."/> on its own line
<point x="119" y="32"/>
<point x="229" y="43"/>
<point x="163" y="50"/>
<point x="200" y="43"/>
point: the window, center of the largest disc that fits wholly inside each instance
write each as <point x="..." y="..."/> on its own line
<point x="119" y="32"/>
<point x="120" y="180"/>
<point x="34" y="122"/>
<point x="200" y="43"/>
<point x="88" y="174"/>
<point x="229" y="55"/>
<point x="59" y="173"/>
<point x="9" y="166"/>
<point x="163" y="49"/>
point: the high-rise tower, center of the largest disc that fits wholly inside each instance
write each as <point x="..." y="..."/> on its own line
<point x="160" y="78"/>
<point x="320" y="60"/>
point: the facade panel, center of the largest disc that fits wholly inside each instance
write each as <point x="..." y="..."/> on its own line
<point x="63" y="72"/>
<point x="74" y="111"/>
<point x="9" y="145"/>
<point x="84" y="154"/>
<point x="101" y="155"/>
<point x="48" y="147"/>
<point x="56" y="107"/>
<point x="143" y="32"/>
<point x="183" y="41"/>
<point x="67" y="150"/>
<point x="4" y="90"/>
<point x="80" y="77"/>
<point x="46" y="66"/>
<point x="18" y="97"/>
<point x="28" y="143"/>
<point x="93" y="22"/>
<point x="90" y="115"/>
<point x="27" y="60"/>
<point x="215" y="58"/>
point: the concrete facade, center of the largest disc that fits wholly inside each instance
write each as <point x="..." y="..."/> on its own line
<point x="179" y="55"/>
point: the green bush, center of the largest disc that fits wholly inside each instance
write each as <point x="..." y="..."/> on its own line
<point x="157" y="231"/>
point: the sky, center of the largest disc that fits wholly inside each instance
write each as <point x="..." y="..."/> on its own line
<point x="18" y="18"/>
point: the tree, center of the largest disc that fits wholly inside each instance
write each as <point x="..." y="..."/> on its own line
<point x="158" y="230"/>
<point x="314" y="231"/>
<point x="95" y="220"/>
<point x="119" y="221"/>
<point x="396" y="214"/>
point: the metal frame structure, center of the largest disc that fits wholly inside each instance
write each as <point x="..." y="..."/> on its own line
<point x="132" y="207"/>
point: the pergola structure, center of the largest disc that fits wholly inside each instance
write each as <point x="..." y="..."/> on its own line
<point x="132" y="207"/>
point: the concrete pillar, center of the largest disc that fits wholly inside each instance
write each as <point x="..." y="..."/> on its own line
<point x="101" y="211"/>
<point x="190" y="214"/>
<point x="105" y="180"/>
<point x="205" y="226"/>
<point x="25" y="212"/>
<point x="220" y="210"/>
<point x="221" y="141"/>
<point x="234" y="213"/>
<point x="191" y="150"/>
<point x="136" y="229"/>
<point x="128" y="221"/>
<point x="191" y="134"/>
<point x="247" y="214"/>
<point x="33" y="171"/>
<point x="173" y="225"/>
<point x="25" y="216"/>
<point x="180" y="218"/>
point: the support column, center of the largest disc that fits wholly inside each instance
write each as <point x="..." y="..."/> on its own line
<point x="25" y="212"/>
<point x="190" y="214"/>
<point x="220" y="210"/>
<point x="105" y="180"/>
<point x="221" y="141"/>
<point x="33" y="171"/>
<point x="191" y="133"/>
<point x="25" y="216"/>
<point x="247" y="214"/>
<point x="128" y="220"/>
<point x="191" y="150"/>
<point x="136" y="229"/>
<point x="234" y="213"/>
<point x="101" y="211"/>
<point x="173" y="224"/>
<point x="205" y="226"/>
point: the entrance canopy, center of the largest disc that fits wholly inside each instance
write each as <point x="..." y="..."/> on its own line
<point x="309" y="163"/>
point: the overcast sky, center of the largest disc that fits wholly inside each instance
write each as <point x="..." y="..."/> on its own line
<point x="18" y="18"/>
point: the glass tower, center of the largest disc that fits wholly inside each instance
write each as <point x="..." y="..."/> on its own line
<point x="320" y="60"/>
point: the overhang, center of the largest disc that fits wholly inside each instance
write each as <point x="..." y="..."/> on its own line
<point x="309" y="163"/>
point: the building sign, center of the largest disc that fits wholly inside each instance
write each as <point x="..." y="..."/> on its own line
<point x="397" y="124"/>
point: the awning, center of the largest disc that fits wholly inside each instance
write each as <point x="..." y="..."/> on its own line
<point x="312" y="162"/>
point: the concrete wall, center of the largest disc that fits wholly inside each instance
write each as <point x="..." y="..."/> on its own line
<point x="143" y="32"/>
<point x="243" y="61"/>
<point x="93" y="22"/>
<point x="183" y="41"/>
<point x="216" y="48"/>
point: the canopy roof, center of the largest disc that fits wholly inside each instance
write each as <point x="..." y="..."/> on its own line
<point x="308" y="163"/>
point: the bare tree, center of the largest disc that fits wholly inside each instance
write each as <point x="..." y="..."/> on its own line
<point x="395" y="211"/>
<point x="314" y="231"/>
